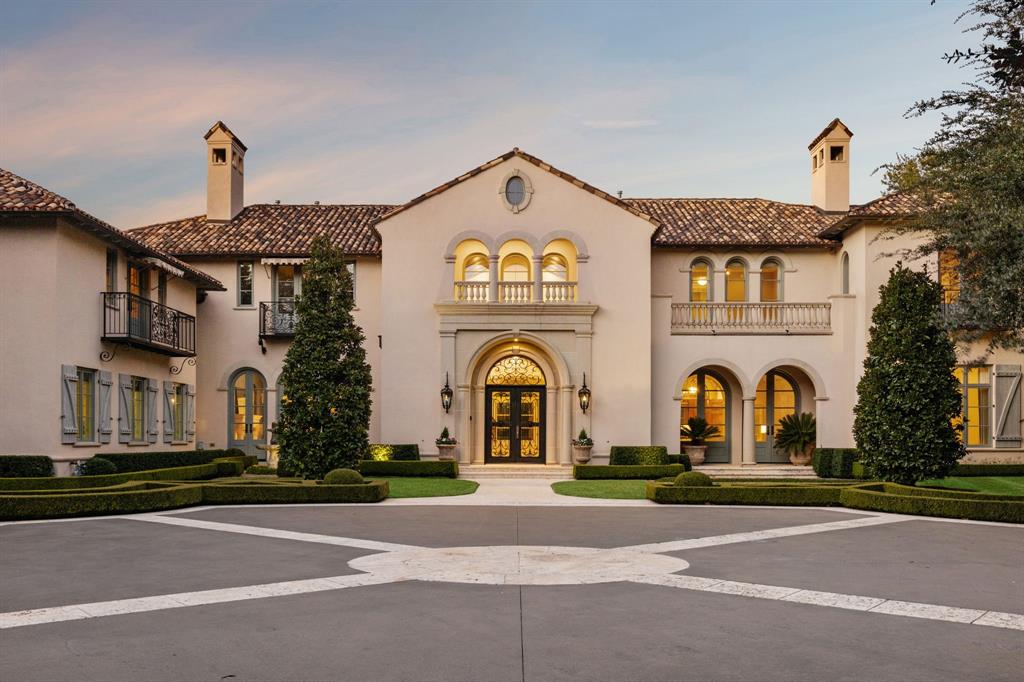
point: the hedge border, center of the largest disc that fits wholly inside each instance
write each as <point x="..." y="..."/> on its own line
<point x="403" y="468"/>
<point x="25" y="466"/>
<point x="395" y="452"/>
<point x="727" y="493"/>
<point x="683" y="459"/>
<point x="968" y="470"/>
<point x="834" y="462"/>
<point x="220" y="467"/>
<point x="649" y="455"/>
<point x="901" y="499"/>
<point x="592" y="472"/>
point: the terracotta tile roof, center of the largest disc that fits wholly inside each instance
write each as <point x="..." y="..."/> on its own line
<point x="736" y="222"/>
<point x="271" y="230"/>
<point x="21" y="197"/>
<point x="828" y="129"/>
<point x="888" y="207"/>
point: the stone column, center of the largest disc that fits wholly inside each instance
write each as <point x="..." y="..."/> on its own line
<point x="448" y="284"/>
<point x="551" y="425"/>
<point x="477" y="455"/>
<point x="565" y="413"/>
<point x="465" y="449"/>
<point x="748" y="431"/>
<point x="538" y="279"/>
<point x="492" y="284"/>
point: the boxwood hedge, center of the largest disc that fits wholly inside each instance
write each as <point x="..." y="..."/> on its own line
<point x="370" y="467"/>
<point x="683" y="459"/>
<point x="638" y="454"/>
<point x="738" y="493"/>
<point x="626" y="471"/>
<point x="279" y="493"/>
<point x="901" y="499"/>
<point x="197" y="472"/>
<point x="834" y="462"/>
<point x="21" y="466"/>
<point x="142" y="461"/>
<point x="988" y="470"/>
<point x="402" y="452"/>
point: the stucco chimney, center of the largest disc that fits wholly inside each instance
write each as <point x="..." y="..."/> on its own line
<point x="225" y="172"/>
<point x="830" y="167"/>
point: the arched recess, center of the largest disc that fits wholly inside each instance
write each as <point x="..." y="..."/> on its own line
<point x="512" y="235"/>
<point x="247" y="411"/>
<point x="710" y="394"/>
<point x="582" y="253"/>
<point x="731" y="372"/>
<point x="800" y="370"/>
<point x="481" y="237"/>
<point x="551" y="362"/>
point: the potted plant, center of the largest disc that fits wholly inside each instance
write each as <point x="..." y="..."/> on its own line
<point x="446" y="446"/>
<point x="796" y="436"/>
<point x="697" y="430"/>
<point x="581" y="447"/>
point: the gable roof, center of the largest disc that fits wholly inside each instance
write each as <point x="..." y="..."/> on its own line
<point x="21" y="197"/>
<point x="736" y="222"/>
<point x="836" y="123"/>
<point x="888" y="207"/>
<point x="271" y="230"/>
<point x="223" y="126"/>
<point x="543" y="165"/>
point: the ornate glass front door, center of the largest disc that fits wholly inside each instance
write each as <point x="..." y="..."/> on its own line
<point x="247" y="412"/>
<point x="514" y="428"/>
<point x="705" y="396"/>
<point x="776" y="398"/>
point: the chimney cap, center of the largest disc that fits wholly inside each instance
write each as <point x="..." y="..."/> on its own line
<point x="219" y="125"/>
<point x="828" y="129"/>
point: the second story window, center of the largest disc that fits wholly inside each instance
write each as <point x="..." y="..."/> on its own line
<point x="555" y="268"/>
<point x="111" y="269"/>
<point x="515" y="268"/>
<point x="477" y="268"/>
<point x="845" y="273"/>
<point x="771" y="282"/>
<point x="735" y="281"/>
<point x="161" y="288"/>
<point x="949" y="276"/>
<point x="245" y="272"/>
<point x="700" y="282"/>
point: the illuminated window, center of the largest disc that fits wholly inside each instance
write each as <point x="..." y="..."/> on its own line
<point x="555" y="268"/>
<point x="735" y="281"/>
<point x="178" y="412"/>
<point x="515" y="268"/>
<point x="949" y="276"/>
<point x="138" y="417"/>
<point x="771" y="282"/>
<point x="476" y="268"/>
<point x="85" y="405"/>
<point x="975" y="386"/>
<point x="700" y="282"/>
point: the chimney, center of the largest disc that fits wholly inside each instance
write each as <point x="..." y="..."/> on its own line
<point x="225" y="154"/>
<point x="830" y="167"/>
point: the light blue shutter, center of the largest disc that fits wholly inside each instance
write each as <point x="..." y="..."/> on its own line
<point x="190" y="413"/>
<point x="1007" y="390"/>
<point x="124" y="414"/>
<point x="168" y="411"/>
<point x="151" y="430"/>
<point x="68" y="402"/>
<point x="104" y="426"/>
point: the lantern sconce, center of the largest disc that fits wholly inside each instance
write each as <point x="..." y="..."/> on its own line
<point x="446" y="395"/>
<point x="584" y="395"/>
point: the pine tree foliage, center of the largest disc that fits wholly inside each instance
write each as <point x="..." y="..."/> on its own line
<point x="326" y="381"/>
<point x="908" y="398"/>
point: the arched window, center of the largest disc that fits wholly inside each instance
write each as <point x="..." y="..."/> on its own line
<point x="846" y="273"/>
<point x="771" y="281"/>
<point x="247" y="411"/>
<point x="477" y="268"/>
<point x="515" y="268"/>
<point x="700" y="282"/>
<point x="555" y="268"/>
<point x="736" y="281"/>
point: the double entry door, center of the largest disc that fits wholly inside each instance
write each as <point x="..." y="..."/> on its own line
<point x="515" y="425"/>
<point x="248" y="407"/>
<point x="776" y="397"/>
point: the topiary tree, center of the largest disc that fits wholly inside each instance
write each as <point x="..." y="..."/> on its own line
<point x="908" y="398"/>
<point x="325" y="406"/>
<point x="343" y="477"/>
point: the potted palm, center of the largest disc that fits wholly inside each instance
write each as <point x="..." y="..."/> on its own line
<point x="446" y="446"/>
<point x="581" y="447"/>
<point x="697" y="430"/>
<point x="796" y="436"/>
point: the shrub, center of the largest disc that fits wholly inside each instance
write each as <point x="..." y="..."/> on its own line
<point x="96" y="466"/>
<point x="589" y="472"/>
<point x="292" y="493"/>
<point x="693" y="478"/>
<point x="988" y="470"/>
<point x="143" y="461"/>
<point x="404" y="452"/>
<point x="284" y="471"/>
<point x="22" y="466"/>
<point x="796" y="433"/>
<point x="448" y="469"/>
<point x="834" y="462"/>
<point x="343" y="477"/>
<point x="697" y="430"/>
<point x="197" y="472"/>
<point x="858" y="470"/>
<point x="681" y="459"/>
<point x="153" y="497"/>
<point x="727" y="492"/>
<point x="638" y="454"/>
<point x="261" y="470"/>
<point x="900" y="499"/>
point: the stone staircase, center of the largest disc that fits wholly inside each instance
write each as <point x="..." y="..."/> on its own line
<point x="781" y="471"/>
<point x="478" y="472"/>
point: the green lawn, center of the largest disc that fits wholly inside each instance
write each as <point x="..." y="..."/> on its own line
<point x="995" y="485"/>
<point x="428" y="487"/>
<point x="614" y="490"/>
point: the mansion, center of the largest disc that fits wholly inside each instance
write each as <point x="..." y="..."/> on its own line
<point x="512" y="286"/>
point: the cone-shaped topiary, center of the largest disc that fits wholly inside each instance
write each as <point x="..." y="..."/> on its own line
<point x="908" y="398"/>
<point x="325" y="383"/>
<point x="694" y="479"/>
<point x="343" y="477"/>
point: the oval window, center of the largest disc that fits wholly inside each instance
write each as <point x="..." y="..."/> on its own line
<point x="515" y="191"/>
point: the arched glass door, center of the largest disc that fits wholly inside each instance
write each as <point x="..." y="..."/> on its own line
<point x="247" y="412"/>
<point x="706" y="396"/>
<point x="777" y="397"/>
<point x="514" y="430"/>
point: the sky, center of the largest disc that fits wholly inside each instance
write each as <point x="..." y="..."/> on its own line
<point x="106" y="103"/>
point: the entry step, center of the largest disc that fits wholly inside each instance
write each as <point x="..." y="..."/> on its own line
<point x="756" y="471"/>
<point x="535" y="471"/>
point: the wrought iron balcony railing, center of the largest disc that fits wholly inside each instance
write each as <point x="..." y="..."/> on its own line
<point x="751" y="318"/>
<point x="278" y="318"/>
<point x="145" y="324"/>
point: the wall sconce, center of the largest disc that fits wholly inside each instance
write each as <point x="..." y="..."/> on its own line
<point x="584" y="395"/>
<point x="446" y="395"/>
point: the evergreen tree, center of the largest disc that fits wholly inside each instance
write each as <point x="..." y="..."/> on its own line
<point x="908" y="398"/>
<point x="325" y="409"/>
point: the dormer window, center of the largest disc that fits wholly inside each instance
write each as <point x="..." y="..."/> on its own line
<point x="835" y="152"/>
<point x="220" y="155"/>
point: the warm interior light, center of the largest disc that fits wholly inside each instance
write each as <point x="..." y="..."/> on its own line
<point x="702" y="281"/>
<point x="692" y="389"/>
<point x="764" y="428"/>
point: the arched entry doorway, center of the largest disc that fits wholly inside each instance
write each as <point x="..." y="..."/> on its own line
<point x="514" y="431"/>
<point x="706" y="395"/>
<point x="247" y="411"/>
<point x="777" y="396"/>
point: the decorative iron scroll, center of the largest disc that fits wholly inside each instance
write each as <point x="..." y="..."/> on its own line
<point x="515" y="370"/>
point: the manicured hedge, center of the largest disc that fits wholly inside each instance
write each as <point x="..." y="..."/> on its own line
<point x="901" y="499"/>
<point x="387" y="452"/>
<point x="23" y="466"/>
<point x="858" y="470"/>
<point x="638" y="454"/>
<point x="197" y="472"/>
<point x="683" y="459"/>
<point x="278" y="493"/>
<point x="988" y="470"/>
<point x="369" y="467"/>
<point x="834" y="462"/>
<point x="728" y="493"/>
<point x="143" y="461"/>
<point x="591" y="472"/>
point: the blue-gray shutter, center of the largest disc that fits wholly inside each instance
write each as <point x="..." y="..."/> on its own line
<point x="151" y="430"/>
<point x="1007" y="390"/>
<point x="124" y="414"/>
<point x="190" y="412"/>
<point x="68" y="402"/>
<point x="105" y="425"/>
<point x="168" y="412"/>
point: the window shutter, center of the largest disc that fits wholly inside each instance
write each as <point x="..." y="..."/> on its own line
<point x="124" y="414"/>
<point x="168" y="412"/>
<point x="151" y="429"/>
<point x="104" y="426"/>
<point x="1007" y="389"/>
<point x="68" y="396"/>
<point x="190" y="412"/>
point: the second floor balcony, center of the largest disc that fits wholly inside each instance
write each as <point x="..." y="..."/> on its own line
<point x="136" y="321"/>
<point x="752" y="318"/>
<point x="515" y="292"/>
<point x="278" y="318"/>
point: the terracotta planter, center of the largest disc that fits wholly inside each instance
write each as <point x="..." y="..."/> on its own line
<point x="802" y="459"/>
<point x="446" y="453"/>
<point x="581" y="453"/>
<point x="696" y="453"/>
